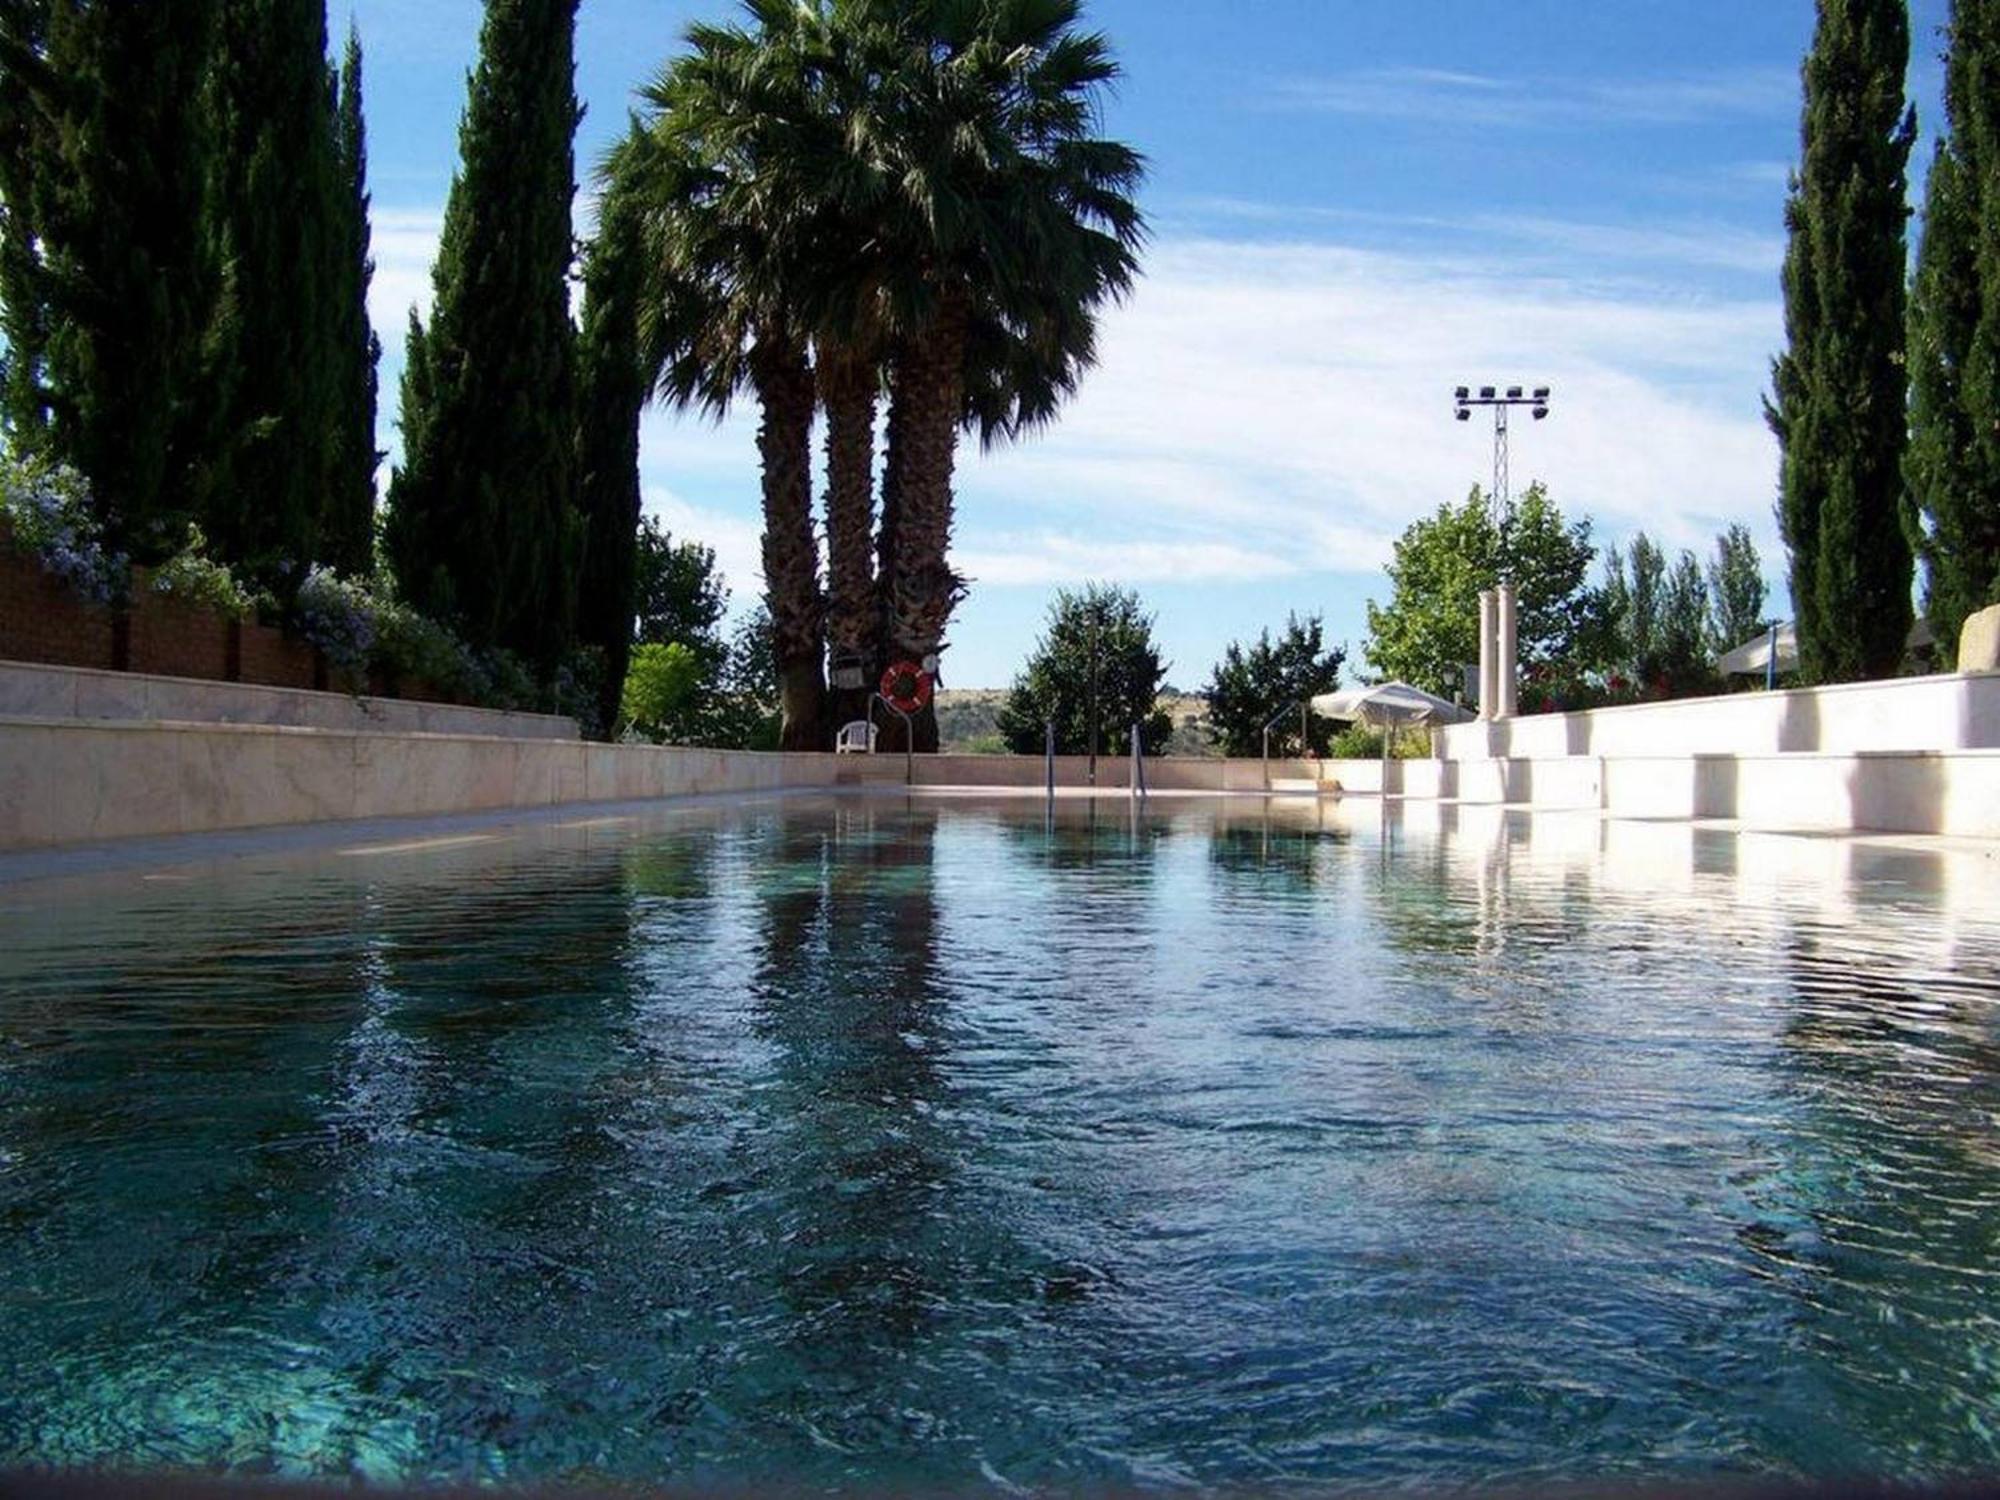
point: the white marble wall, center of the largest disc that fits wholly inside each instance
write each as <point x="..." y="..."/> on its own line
<point x="30" y="690"/>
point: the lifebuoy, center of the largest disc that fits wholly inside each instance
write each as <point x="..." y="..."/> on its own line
<point x="907" y="687"/>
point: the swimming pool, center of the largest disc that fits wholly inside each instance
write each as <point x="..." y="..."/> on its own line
<point x="851" y="1141"/>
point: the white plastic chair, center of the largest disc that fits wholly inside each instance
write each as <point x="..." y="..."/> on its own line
<point x="857" y="738"/>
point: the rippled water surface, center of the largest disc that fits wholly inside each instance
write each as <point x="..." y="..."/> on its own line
<point x="846" y="1142"/>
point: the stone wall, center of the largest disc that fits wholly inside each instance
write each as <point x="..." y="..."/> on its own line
<point x="32" y="691"/>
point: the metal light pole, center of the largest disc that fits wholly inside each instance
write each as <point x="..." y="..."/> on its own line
<point x="1536" y="400"/>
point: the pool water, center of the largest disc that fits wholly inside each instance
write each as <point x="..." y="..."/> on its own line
<point x="844" y="1142"/>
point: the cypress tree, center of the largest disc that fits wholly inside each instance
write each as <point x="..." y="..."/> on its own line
<point x="115" y="197"/>
<point x="24" y="142"/>
<point x="611" y="393"/>
<point x="272" y="222"/>
<point x="1954" y="459"/>
<point x="1840" y="388"/>
<point x="347" y="525"/>
<point x="481" y="528"/>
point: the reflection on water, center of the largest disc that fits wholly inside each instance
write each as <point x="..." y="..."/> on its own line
<point x="944" y="1144"/>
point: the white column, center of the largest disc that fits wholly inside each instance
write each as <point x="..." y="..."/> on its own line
<point x="1507" y="700"/>
<point x="1489" y="655"/>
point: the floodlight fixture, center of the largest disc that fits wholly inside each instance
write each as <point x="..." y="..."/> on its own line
<point x="1537" y="404"/>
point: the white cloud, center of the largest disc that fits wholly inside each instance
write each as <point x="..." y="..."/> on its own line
<point x="1467" y="100"/>
<point x="1293" y="402"/>
<point x="405" y="247"/>
<point x="736" y="539"/>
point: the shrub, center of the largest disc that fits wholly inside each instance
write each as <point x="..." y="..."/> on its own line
<point x="338" y="616"/>
<point x="48" y="511"/>
<point x="192" y="577"/>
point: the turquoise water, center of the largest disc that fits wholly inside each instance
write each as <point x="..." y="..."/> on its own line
<point x="850" y="1142"/>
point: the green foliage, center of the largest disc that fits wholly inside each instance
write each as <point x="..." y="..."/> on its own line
<point x="746" y="715"/>
<point x="193" y="577"/>
<point x="611" y="393"/>
<point x="1736" y="591"/>
<point x="347" y="524"/>
<point x="1097" y="661"/>
<point x="1953" y="463"/>
<point x="482" y="531"/>
<point x="681" y="595"/>
<point x="1428" y="632"/>
<point x="1248" y="688"/>
<point x="1839" y="405"/>
<point x="1658" y="621"/>
<point x="106" y="270"/>
<point x="1359" y="742"/>
<point x="662" y="686"/>
<point x="272" y="225"/>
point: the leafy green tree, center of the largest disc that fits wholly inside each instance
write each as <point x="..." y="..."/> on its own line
<point x="747" y="715"/>
<point x="1953" y="463"/>
<point x="1248" y="688"/>
<point x="1428" y="632"/>
<point x="482" y="529"/>
<point x="347" y="525"/>
<point x="115" y="266"/>
<point x="274" y="215"/>
<point x="1097" y="662"/>
<point x="611" y="392"/>
<point x="1736" y="591"/>
<point x="1839" y="404"/>
<point x="681" y="597"/>
<point x="1657" y="616"/>
<point x="662" y="689"/>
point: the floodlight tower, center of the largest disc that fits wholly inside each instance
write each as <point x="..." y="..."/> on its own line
<point x="1537" y="401"/>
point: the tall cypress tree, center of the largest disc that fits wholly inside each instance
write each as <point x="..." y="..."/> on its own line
<point x="272" y="219"/>
<point x="611" y="394"/>
<point x="115" y="196"/>
<point x="481" y="527"/>
<point x="1954" y="458"/>
<point x="24" y="144"/>
<point x="1840" y="389"/>
<point x="347" y="524"/>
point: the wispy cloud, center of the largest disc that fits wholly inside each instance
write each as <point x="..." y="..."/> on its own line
<point x="1453" y="99"/>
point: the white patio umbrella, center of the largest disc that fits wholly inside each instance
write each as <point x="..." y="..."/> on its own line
<point x="1753" y="657"/>
<point x="1389" y="705"/>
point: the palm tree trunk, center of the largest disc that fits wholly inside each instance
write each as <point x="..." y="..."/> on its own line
<point x="847" y="384"/>
<point x="784" y="383"/>
<point x="927" y="403"/>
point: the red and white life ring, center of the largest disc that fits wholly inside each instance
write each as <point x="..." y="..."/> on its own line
<point x="907" y="687"/>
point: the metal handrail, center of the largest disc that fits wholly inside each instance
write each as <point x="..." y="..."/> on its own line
<point x="909" y="736"/>
<point x="1304" y="727"/>
<point x="1049" y="754"/>
<point x="1138" y="765"/>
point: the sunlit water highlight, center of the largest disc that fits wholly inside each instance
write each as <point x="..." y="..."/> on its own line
<point x="843" y="1143"/>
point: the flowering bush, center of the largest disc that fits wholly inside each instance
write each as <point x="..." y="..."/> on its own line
<point x="48" y="510"/>
<point x="338" y="616"/>
<point x="192" y="577"/>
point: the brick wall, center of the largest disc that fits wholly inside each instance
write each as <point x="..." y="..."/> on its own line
<point x="172" y="639"/>
<point x="271" y="657"/>
<point x="42" y="619"/>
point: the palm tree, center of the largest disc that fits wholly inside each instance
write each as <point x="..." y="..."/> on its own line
<point x="1002" y="224"/>
<point x="724" y="255"/>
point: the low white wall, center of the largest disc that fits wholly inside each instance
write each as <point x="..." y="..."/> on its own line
<point x="1958" y="712"/>
<point x="30" y="690"/>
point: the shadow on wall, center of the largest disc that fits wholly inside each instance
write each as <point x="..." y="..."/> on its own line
<point x="1978" y="712"/>
<point x="1798" y="723"/>
<point x="1717" y="783"/>
<point x="1576" y="734"/>
<point x="1898" y="793"/>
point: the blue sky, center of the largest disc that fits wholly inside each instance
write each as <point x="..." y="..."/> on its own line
<point x="1355" y="207"/>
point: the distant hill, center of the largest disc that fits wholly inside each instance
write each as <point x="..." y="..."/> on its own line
<point x="969" y="722"/>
